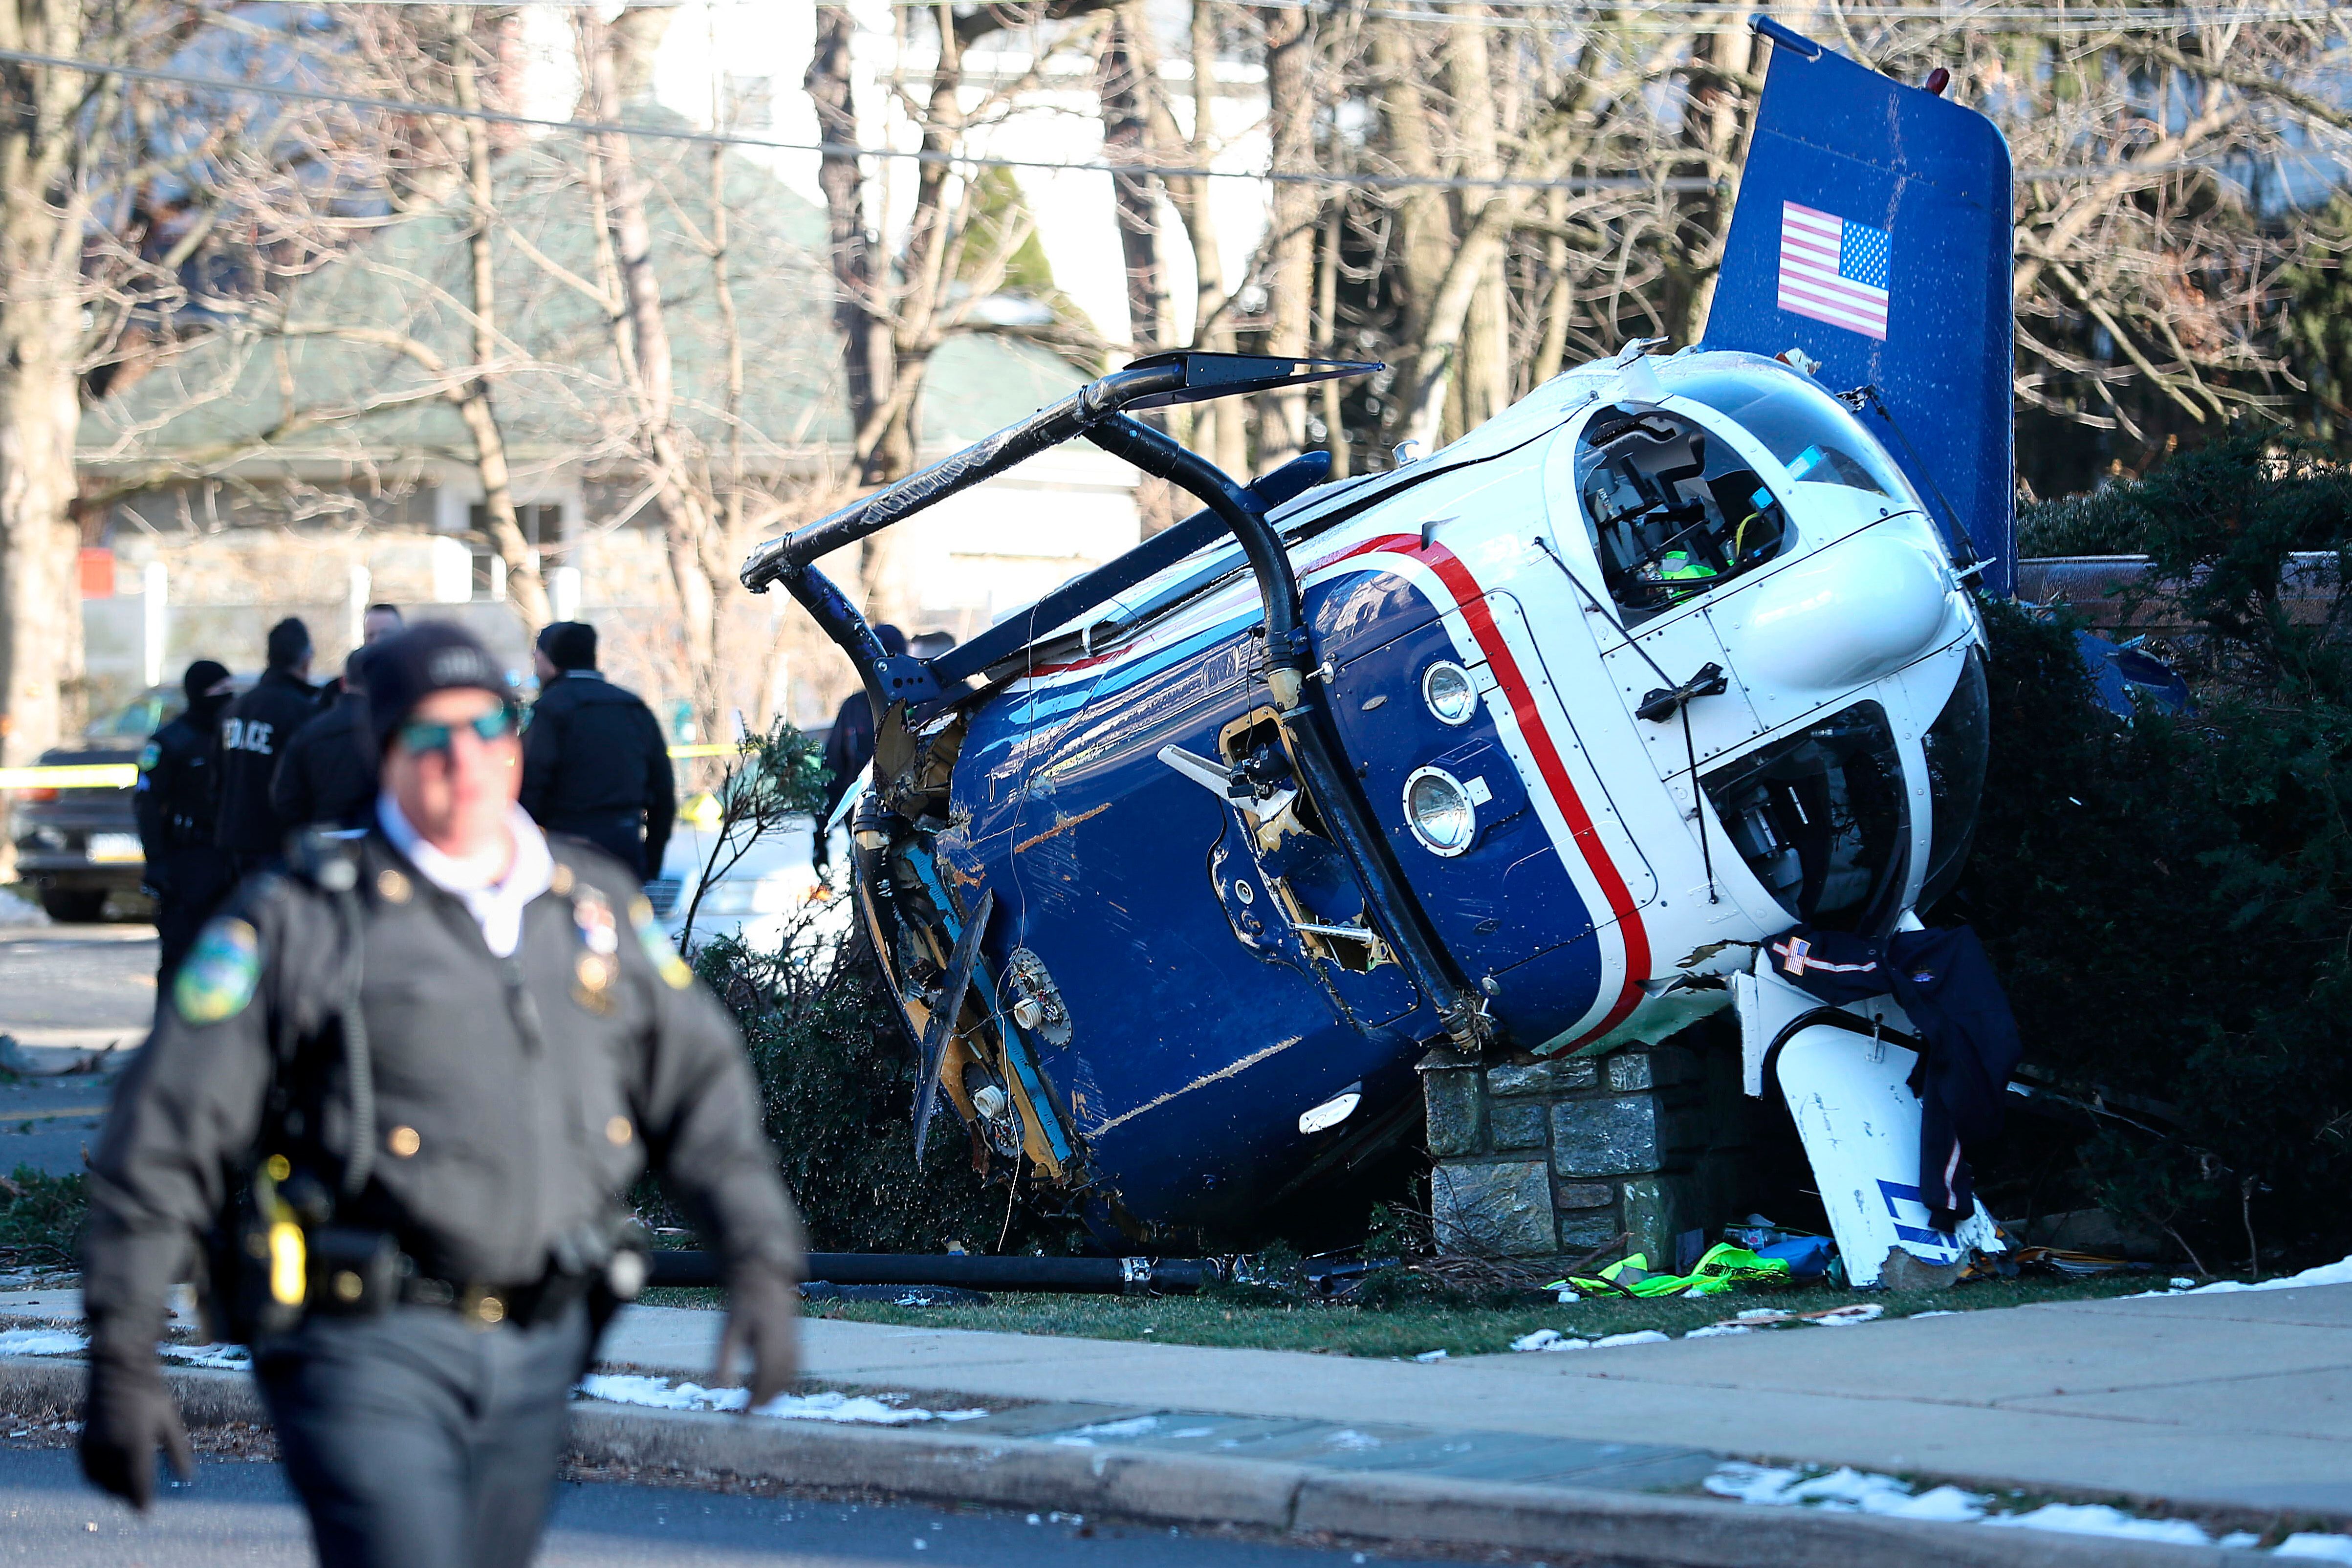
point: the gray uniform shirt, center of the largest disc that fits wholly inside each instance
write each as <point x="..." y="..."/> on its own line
<point x="515" y="1098"/>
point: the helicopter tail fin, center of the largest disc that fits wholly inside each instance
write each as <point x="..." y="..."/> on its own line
<point x="1873" y="234"/>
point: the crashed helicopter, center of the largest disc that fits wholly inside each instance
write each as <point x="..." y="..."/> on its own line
<point x="1534" y="742"/>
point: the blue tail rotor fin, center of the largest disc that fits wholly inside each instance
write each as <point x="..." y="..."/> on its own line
<point x="1873" y="232"/>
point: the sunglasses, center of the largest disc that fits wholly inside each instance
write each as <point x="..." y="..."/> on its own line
<point x="421" y="736"/>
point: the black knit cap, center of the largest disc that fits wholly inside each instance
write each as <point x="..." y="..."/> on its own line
<point x="201" y="678"/>
<point x="569" y="645"/>
<point x="408" y="667"/>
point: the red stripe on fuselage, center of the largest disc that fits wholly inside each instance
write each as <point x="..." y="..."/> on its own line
<point x="1472" y="601"/>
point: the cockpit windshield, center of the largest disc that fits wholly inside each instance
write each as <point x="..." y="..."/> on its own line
<point x="1672" y="511"/>
<point x="1812" y="434"/>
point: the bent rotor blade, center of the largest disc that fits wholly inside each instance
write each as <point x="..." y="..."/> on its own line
<point x="941" y="1023"/>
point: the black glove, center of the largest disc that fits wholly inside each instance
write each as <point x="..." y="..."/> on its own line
<point x="763" y="1312"/>
<point x="129" y="1414"/>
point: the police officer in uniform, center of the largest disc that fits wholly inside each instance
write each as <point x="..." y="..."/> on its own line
<point x="176" y="802"/>
<point x="253" y="731"/>
<point x="850" y="746"/>
<point x="442" y="1051"/>
<point x="326" y="772"/>
<point x="595" y="763"/>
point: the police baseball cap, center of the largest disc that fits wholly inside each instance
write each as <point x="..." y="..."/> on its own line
<point x="405" y="668"/>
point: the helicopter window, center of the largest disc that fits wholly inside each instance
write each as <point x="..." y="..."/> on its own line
<point x="1956" y="746"/>
<point x="1812" y="434"/>
<point x="1823" y="820"/>
<point x="1670" y="512"/>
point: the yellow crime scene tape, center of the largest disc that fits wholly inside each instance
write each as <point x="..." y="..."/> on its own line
<point x="123" y="775"/>
<point x="85" y="775"/>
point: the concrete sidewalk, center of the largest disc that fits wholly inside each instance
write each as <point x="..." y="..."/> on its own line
<point x="2231" y="1407"/>
<point x="2235" y="1401"/>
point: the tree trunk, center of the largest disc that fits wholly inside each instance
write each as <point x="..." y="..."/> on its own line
<point x="1484" y="381"/>
<point x="1424" y="224"/>
<point x="1126" y="69"/>
<point x="1290" y="280"/>
<point x="41" y="224"/>
<point x="1326" y="324"/>
<point x="526" y="589"/>
<point x="858" y="313"/>
<point x="1718" y="123"/>
<point x="925" y="261"/>
<point x="1218" y="432"/>
<point x="690" y="538"/>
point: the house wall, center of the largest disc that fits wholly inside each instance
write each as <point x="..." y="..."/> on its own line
<point x="237" y="559"/>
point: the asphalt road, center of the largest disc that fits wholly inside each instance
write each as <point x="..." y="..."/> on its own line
<point x="66" y="991"/>
<point x="240" y="1513"/>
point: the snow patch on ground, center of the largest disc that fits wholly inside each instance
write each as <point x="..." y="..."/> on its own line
<point x="61" y="1341"/>
<point x="661" y="1394"/>
<point x="1083" y="1438"/>
<point x="1553" y="1339"/>
<point x="1842" y="1316"/>
<point x="1746" y="1322"/>
<point x="1847" y="1490"/>
<point x="2098" y="1519"/>
<point x="2337" y="1273"/>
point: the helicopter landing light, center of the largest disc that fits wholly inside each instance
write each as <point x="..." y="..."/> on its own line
<point x="1334" y="1110"/>
<point x="1446" y="688"/>
<point x="1440" y="810"/>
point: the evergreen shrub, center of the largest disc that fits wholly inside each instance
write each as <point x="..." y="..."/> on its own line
<point x="2170" y="900"/>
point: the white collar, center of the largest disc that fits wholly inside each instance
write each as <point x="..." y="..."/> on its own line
<point x="497" y="907"/>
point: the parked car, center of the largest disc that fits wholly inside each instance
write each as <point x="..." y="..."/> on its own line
<point x="79" y="845"/>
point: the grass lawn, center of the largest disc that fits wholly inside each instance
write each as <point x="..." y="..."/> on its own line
<point x="1407" y="1331"/>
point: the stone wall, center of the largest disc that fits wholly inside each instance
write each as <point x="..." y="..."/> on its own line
<point x="1553" y="1158"/>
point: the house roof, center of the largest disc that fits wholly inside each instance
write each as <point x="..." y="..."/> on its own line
<point x="341" y="384"/>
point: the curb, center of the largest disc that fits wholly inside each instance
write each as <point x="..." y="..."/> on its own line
<point x="1401" y="1511"/>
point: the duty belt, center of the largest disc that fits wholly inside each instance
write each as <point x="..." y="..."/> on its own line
<point x="524" y="1306"/>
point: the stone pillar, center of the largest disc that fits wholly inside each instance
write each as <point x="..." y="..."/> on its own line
<point x="1553" y="1159"/>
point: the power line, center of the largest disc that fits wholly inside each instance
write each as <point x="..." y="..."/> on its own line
<point x="1699" y="16"/>
<point x="1670" y="183"/>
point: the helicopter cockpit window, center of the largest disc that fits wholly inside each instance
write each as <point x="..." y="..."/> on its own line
<point x="1823" y="819"/>
<point x="1671" y="510"/>
<point x="1812" y="433"/>
<point x="1956" y="746"/>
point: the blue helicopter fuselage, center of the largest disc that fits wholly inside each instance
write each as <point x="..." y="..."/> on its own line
<point x="1211" y="993"/>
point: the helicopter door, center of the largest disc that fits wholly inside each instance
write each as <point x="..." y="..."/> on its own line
<point x="1538" y="861"/>
<point x="1682" y="714"/>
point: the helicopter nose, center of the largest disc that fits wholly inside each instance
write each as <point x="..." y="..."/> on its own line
<point x="1855" y="610"/>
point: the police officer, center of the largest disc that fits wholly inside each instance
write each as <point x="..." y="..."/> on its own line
<point x="253" y="730"/>
<point x="849" y="744"/>
<point x="595" y="763"/>
<point x="378" y="622"/>
<point x="176" y="802"/>
<point x="325" y="773"/>
<point x="448" y="1048"/>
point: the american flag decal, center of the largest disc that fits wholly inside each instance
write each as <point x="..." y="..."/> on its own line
<point x="1834" y="269"/>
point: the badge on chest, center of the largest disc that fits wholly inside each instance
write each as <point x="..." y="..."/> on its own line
<point x="598" y="965"/>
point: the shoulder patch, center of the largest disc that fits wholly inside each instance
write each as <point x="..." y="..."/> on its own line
<point x="149" y="756"/>
<point x="656" y="941"/>
<point x="219" y="976"/>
